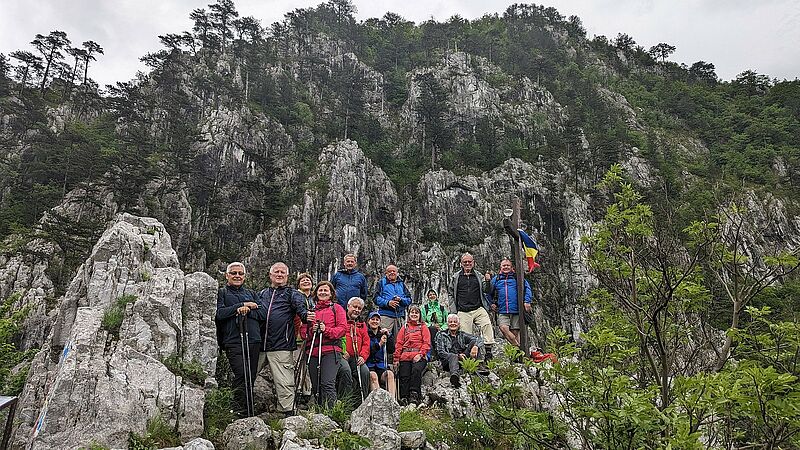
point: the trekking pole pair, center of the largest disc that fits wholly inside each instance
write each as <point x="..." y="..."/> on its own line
<point x="244" y="338"/>
<point x="317" y="337"/>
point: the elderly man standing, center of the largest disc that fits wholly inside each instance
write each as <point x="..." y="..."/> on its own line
<point x="234" y="304"/>
<point x="392" y="297"/>
<point x="503" y="295"/>
<point x="466" y="289"/>
<point x="454" y="346"/>
<point x="282" y="303"/>
<point x="349" y="282"/>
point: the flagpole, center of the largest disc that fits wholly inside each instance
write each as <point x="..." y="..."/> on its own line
<point x="511" y="225"/>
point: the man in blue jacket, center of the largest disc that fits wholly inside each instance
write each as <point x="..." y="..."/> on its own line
<point x="349" y="282"/>
<point x="503" y="294"/>
<point x="392" y="297"/>
<point x="282" y="302"/>
<point x="236" y="303"/>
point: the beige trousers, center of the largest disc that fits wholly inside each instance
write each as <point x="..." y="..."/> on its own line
<point x="479" y="319"/>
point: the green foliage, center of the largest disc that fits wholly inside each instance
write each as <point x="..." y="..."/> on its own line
<point x="113" y="316"/>
<point x="436" y="423"/>
<point x="217" y="414"/>
<point x="345" y="441"/>
<point x="12" y="381"/>
<point x="158" y="434"/>
<point x="189" y="370"/>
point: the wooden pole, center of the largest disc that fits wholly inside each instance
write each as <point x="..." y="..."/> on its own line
<point x="511" y="225"/>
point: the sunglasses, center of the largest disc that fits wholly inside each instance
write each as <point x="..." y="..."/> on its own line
<point x="236" y="273"/>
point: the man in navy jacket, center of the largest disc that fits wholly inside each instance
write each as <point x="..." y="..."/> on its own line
<point x="349" y="282"/>
<point x="235" y="303"/>
<point x="282" y="303"/>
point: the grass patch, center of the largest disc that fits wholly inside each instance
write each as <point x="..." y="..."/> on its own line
<point x="191" y="371"/>
<point x="217" y="414"/>
<point x="112" y="318"/>
<point x="436" y="423"/>
<point x="158" y="434"/>
<point x="344" y="440"/>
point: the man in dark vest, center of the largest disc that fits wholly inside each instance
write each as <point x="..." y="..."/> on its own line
<point x="466" y="289"/>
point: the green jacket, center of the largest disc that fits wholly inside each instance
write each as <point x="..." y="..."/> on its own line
<point x="435" y="312"/>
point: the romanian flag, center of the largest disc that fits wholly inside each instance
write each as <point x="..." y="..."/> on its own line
<point x="531" y="249"/>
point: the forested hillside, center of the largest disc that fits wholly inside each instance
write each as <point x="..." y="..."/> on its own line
<point x="664" y="200"/>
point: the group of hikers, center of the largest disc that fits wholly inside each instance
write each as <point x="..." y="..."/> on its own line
<point x="347" y="351"/>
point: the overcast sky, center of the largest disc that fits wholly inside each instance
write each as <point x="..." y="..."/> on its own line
<point x="735" y="35"/>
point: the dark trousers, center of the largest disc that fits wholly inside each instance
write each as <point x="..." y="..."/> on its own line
<point x="236" y="360"/>
<point x="344" y="379"/>
<point x="451" y="364"/>
<point x="355" y="372"/>
<point x="324" y="383"/>
<point x="410" y="376"/>
<point x="433" y="331"/>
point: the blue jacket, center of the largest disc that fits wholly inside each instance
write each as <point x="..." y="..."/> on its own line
<point x="386" y="291"/>
<point x="375" y="359"/>
<point x="229" y="299"/>
<point x="281" y="305"/>
<point x="349" y="283"/>
<point x="503" y="292"/>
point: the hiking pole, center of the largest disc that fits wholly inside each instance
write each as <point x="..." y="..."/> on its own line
<point x="358" y="368"/>
<point x="244" y="338"/>
<point x="299" y="375"/>
<point x="319" y="368"/>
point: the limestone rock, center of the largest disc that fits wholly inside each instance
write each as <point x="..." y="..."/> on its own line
<point x="378" y="409"/>
<point x="119" y="366"/>
<point x="250" y="432"/>
<point x="412" y="439"/>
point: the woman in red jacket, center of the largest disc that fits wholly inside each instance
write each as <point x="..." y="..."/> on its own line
<point x="411" y="350"/>
<point x="332" y="324"/>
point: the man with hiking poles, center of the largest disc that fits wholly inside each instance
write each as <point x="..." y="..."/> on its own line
<point x="238" y="316"/>
<point x="281" y="303"/>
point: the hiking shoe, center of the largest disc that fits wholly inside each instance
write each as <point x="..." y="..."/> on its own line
<point x="455" y="381"/>
<point x="415" y="398"/>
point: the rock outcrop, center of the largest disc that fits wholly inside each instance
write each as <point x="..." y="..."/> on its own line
<point x="102" y="373"/>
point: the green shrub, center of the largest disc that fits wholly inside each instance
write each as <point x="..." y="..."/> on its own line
<point x="191" y="371"/>
<point x="112" y="318"/>
<point x="158" y="434"/>
<point x="217" y="414"/>
<point x="11" y="383"/>
<point x="344" y="440"/>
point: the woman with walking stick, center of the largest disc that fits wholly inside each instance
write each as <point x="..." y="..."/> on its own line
<point x="331" y="326"/>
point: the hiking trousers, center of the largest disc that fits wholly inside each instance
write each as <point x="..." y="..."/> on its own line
<point x="479" y="319"/>
<point x="325" y="389"/>
<point x="234" y="354"/>
<point x="410" y="376"/>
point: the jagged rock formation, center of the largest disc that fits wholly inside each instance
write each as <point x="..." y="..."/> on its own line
<point x="96" y="380"/>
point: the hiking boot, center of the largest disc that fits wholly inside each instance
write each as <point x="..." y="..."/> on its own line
<point x="415" y="398"/>
<point x="455" y="381"/>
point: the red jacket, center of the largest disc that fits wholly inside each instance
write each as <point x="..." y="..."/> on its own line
<point x="413" y="339"/>
<point x="335" y="320"/>
<point x="359" y="331"/>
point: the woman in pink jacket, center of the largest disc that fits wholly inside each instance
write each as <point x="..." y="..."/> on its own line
<point x="331" y="326"/>
<point x="411" y="351"/>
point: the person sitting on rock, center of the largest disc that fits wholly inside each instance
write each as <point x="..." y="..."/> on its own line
<point x="234" y="303"/>
<point x="357" y="348"/>
<point x="392" y="297"/>
<point x="411" y="350"/>
<point x="381" y="344"/>
<point x="331" y="326"/>
<point x="503" y="294"/>
<point x="282" y="303"/>
<point x="454" y="346"/>
<point x="349" y="282"/>
<point x="434" y="314"/>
